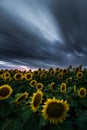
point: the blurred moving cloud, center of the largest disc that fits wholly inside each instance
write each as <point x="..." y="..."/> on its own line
<point x="43" y="33"/>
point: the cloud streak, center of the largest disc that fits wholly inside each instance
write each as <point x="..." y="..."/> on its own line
<point x="43" y="33"/>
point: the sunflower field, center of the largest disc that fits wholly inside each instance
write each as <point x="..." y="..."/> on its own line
<point x="43" y="99"/>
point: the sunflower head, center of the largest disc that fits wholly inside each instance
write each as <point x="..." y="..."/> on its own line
<point x="17" y="76"/>
<point x="74" y="88"/>
<point x="52" y="85"/>
<point x="28" y="76"/>
<point x="33" y="83"/>
<point x="54" y="110"/>
<point x="70" y="67"/>
<point x="43" y="75"/>
<point x="60" y="75"/>
<point x="36" y="73"/>
<point x="77" y="69"/>
<point x="52" y="73"/>
<point x="5" y="92"/>
<point x="7" y="75"/>
<point x="69" y="80"/>
<point x="57" y="70"/>
<point x="63" y="87"/>
<point x="36" y="100"/>
<point x="82" y="92"/>
<point x="65" y="71"/>
<point x="21" y="97"/>
<point x="79" y="75"/>
<point x="51" y="69"/>
<point x="39" y="86"/>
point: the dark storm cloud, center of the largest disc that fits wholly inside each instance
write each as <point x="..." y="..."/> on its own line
<point x="43" y="33"/>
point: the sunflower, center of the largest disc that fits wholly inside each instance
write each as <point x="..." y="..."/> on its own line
<point x="36" y="100"/>
<point x="28" y="76"/>
<point x="69" y="80"/>
<point x="17" y="76"/>
<point x="79" y="75"/>
<point x="54" y="110"/>
<point x="77" y="69"/>
<point x="57" y="70"/>
<point x="2" y="76"/>
<point x="52" y="73"/>
<point x="5" y="92"/>
<point x="6" y="75"/>
<point x="50" y="69"/>
<point x="39" y="69"/>
<point x="33" y="83"/>
<point x="43" y="75"/>
<point x="65" y="71"/>
<point x="36" y="73"/>
<point x="60" y="75"/>
<point x="39" y="86"/>
<point x="74" y="88"/>
<point x="82" y="92"/>
<point x="21" y="97"/>
<point x="70" y="67"/>
<point x="52" y="85"/>
<point x="63" y="87"/>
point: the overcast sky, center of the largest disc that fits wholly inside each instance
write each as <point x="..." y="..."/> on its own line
<point x="43" y="33"/>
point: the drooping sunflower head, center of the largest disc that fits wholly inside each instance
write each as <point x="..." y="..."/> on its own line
<point x="79" y="75"/>
<point x="63" y="87"/>
<point x="54" y="110"/>
<point x="39" y="86"/>
<point x="33" y="83"/>
<point x="21" y="97"/>
<point x="82" y="92"/>
<point x="36" y="100"/>
<point x="5" y="92"/>
<point x="28" y="76"/>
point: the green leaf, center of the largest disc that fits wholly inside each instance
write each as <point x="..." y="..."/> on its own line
<point x="7" y="125"/>
<point x="18" y="125"/>
<point x="67" y="125"/>
<point x="26" y="113"/>
<point x="81" y="122"/>
<point x="42" y="122"/>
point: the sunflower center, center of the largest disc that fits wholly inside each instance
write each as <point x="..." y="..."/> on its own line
<point x="33" y="83"/>
<point x="28" y="76"/>
<point x="18" y="76"/>
<point x="79" y="75"/>
<point x="55" y="109"/>
<point x="82" y="92"/>
<point x="4" y="91"/>
<point x="21" y="98"/>
<point x="63" y="87"/>
<point x="39" y="86"/>
<point x="37" y="100"/>
<point x="7" y="75"/>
